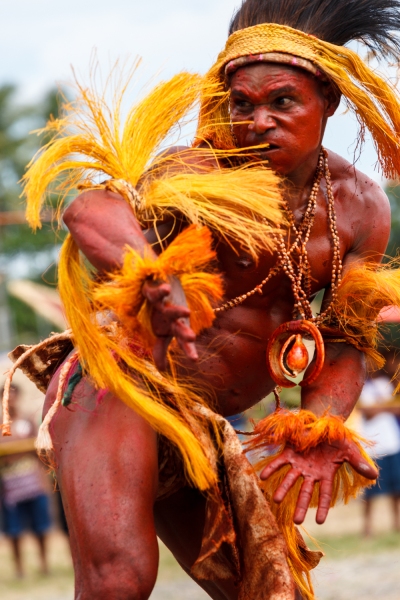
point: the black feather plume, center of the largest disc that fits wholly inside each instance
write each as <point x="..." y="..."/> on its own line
<point x="374" y="22"/>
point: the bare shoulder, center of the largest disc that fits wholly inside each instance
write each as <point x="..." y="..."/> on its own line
<point x="351" y="182"/>
<point x="364" y="202"/>
<point x="179" y="159"/>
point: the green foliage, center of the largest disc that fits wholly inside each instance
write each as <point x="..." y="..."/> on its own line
<point x="17" y="147"/>
<point x="393" y="193"/>
<point x="342" y="546"/>
<point x="17" y="238"/>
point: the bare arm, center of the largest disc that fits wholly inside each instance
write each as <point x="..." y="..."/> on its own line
<point x="339" y="385"/>
<point x="102" y="224"/>
<point x="337" y="388"/>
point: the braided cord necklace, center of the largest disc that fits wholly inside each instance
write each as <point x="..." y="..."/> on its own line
<point x="300" y="273"/>
<point x="286" y="353"/>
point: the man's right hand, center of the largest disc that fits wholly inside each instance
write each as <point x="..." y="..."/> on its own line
<point x="170" y="319"/>
<point x="102" y="224"/>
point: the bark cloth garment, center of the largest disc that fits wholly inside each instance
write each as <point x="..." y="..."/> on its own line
<point x="241" y="539"/>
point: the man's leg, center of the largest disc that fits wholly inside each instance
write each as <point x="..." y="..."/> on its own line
<point x="42" y="542"/>
<point x="367" y="516"/>
<point x="180" y="523"/>
<point x="39" y="512"/>
<point x="106" y="464"/>
<point x="396" y="511"/>
<point x="12" y="522"/>
<point x="16" y="551"/>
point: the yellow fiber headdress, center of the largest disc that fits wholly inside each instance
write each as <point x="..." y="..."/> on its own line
<point x="373" y="99"/>
<point x="89" y="145"/>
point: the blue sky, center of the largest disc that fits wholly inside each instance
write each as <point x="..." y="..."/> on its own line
<point x="41" y="39"/>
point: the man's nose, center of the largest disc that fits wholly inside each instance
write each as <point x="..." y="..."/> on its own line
<point x="263" y="121"/>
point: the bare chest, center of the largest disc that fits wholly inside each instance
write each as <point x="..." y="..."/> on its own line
<point x="242" y="274"/>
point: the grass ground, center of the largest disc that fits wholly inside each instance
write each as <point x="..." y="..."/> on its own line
<point x="354" y="568"/>
<point x="34" y="586"/>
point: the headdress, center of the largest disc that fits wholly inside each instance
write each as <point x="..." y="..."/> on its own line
<point x="310" y="35"/>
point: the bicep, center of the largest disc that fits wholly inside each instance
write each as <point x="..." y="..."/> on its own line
<point x="372" y="236"/>
<point x="373" y="233"/>
<point x="102" y="225"/>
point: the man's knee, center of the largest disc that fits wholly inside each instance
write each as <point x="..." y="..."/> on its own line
<point x="120" y="579"/>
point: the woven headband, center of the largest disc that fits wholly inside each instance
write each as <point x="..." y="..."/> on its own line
<point x="272" y="57"/>
<point x="374" y="99"/>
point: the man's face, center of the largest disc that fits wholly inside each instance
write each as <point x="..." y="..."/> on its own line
<point x="283" y="106"/>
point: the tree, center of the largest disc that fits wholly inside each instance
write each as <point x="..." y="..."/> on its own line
<point x="17" y="147"/>
<point x="18" y="244"/>
<point x="393" y="192"/>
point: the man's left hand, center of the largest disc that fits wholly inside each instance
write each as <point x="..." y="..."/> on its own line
<point x="319" y="464"/>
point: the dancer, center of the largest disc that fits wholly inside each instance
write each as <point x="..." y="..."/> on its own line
<point x="150" y="326"/>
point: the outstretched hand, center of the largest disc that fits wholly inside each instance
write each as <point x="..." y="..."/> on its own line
<point x="319" y="464"/>
<point x="170" y="318"/>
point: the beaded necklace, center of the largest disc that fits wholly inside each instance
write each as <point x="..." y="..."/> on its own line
<point x="300" y="277"/>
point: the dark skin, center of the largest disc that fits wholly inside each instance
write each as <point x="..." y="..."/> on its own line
<point x="287" y="108"/>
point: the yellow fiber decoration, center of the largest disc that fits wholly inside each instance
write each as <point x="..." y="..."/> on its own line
<point x="364" y="291"/>
<point x="239" y="204"/>
<point x="374" y="100"/>
<point x="302" y="431"/>
<point x="184" y="258"/>
<point x="116" y="363"/>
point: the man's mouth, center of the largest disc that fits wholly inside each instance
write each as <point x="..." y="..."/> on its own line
<point x="265" y="150"/>
<point x="262" y="151"/>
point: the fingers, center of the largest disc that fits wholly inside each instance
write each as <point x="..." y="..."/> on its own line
<point x="273" y="466"/>
<point x="185" y="337"/>
<point x="363" y="467"/>
<point x="173" y="312"/>
<point x="182" y="331"/>
<point x="288" y="482"/>
<point x="170" y="319"/>
<point x="360" y="464"/>
<point x="155" y="292"/>
<point x="189" y="349"/>
<point x="324" y="502"/>
<point x="160" y="352"/>
<point x="303" y="501"/>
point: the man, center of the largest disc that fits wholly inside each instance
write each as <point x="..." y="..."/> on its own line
<point x="106" y="454"/>
<point x="24" y="489"/>
<point x="379" y="423"/>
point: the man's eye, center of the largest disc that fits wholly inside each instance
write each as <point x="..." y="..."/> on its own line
<point x="243" y="105"/>
<point x="283" y="101"/>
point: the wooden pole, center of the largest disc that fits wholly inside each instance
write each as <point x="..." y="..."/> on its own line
<point x="17" y="217"/>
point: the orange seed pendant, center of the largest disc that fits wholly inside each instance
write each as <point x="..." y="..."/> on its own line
<point x="287" y="355"/>
<point x="297" y="357"/>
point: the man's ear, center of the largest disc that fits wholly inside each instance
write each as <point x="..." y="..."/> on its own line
<point x="332" y="96"/>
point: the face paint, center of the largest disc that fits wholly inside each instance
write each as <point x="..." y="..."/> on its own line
<point x="281" y="106"/>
